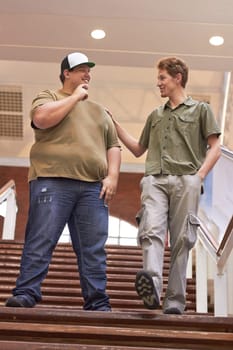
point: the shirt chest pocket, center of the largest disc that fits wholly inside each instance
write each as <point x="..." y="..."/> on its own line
<point x="156" y="124"/>
<point x="186" y="123"/>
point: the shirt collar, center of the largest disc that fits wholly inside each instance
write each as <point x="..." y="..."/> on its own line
<point x="188" y="102"/>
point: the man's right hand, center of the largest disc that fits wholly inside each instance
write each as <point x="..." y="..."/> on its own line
<point x="81" y="91"/>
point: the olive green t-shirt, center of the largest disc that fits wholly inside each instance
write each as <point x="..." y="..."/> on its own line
<point x="76" y="148"/>
<point x="176" y="139"/>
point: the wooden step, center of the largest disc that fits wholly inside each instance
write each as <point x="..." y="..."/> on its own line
<point x="68" y="286"/>
<point x="126" y="268"/>
<point x="23" y="345"/>
<point x="146" y="329"/>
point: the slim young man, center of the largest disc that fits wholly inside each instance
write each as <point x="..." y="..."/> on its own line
<point x="182" y="144"/>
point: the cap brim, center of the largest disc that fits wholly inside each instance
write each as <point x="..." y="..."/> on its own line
<point x="89" y="64"/>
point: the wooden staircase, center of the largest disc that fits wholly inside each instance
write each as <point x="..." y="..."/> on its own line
<point x="59" y="322"/>
<point x="62" y="288"/>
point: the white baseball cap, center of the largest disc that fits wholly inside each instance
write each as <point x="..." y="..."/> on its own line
<point x="75" y="59"/>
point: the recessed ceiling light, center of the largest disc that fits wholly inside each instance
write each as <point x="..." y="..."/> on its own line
<point x="216" y="40"/>
<point x="98" y="34"/>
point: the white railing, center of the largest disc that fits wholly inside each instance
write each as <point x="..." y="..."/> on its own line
<point x="8" y="209"/>
<point x="206" y="246"/>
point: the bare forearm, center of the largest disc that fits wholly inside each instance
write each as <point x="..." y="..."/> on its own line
<point x="212" y="156"/>
<point x="114" y="162"/>
<point x="109" y="183"/>
<point x="52" y="113"/>
<point x="129" y="141"/>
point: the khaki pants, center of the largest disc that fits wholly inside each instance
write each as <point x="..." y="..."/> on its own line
<point x="169" y="204"/>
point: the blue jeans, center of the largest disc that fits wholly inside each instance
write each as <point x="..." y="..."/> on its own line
<point x="53" y="203"/>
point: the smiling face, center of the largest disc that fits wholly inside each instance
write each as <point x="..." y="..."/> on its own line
<point x="168" y="84"/>
<point x="78" y="75"/>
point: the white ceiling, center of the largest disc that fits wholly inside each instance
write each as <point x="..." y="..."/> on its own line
<point x="138" y="31"/>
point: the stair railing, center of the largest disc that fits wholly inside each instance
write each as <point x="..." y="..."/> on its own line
<point x="219" y="254"/>
<point x="225" y="246"/>
<point x="8" y="209"/>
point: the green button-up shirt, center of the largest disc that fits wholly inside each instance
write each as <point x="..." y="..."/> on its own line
<point x="176" y="139"/>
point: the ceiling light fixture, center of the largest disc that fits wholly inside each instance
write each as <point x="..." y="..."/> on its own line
<point x="98" y="34"/>
<point x="216" y="40"/>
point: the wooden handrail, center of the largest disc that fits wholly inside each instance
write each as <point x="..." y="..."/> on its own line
<point x="226" y="236"/>
<point x="208" y="237"/>
<point x="218" y="249"/>
<point x="8" y="185"/>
